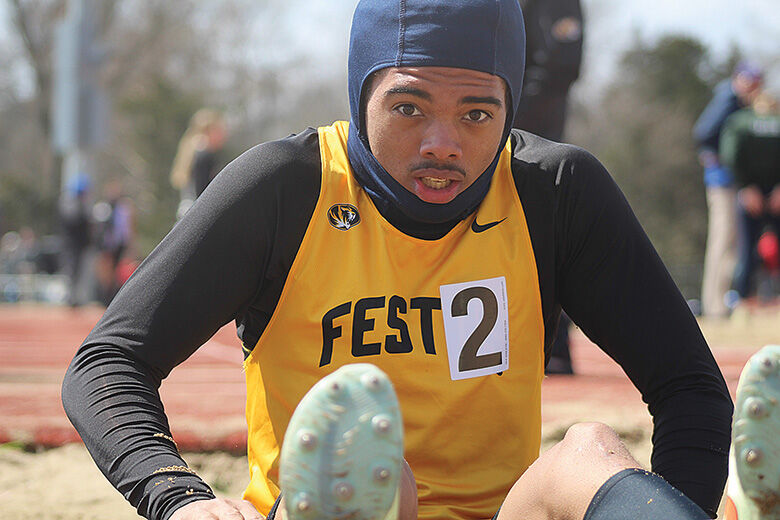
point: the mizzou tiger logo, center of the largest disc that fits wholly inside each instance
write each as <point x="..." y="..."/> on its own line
<point x="343" y="216"/>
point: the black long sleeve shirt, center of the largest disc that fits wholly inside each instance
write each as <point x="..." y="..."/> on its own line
<point x="229" y="257"/>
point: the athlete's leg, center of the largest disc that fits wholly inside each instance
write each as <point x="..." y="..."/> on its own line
<point x="591" y="475"/>
<point x="754" y="464"/>
<point x="341" y="457"/>
<point x="562" y="481"/>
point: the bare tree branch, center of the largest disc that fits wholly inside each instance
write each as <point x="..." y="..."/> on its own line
<point x="34" y="24"/>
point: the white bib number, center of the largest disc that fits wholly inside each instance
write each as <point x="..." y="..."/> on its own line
<point x="476" y="327"/>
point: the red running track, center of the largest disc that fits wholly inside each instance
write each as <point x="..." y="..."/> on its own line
<point x="205" y="396"/>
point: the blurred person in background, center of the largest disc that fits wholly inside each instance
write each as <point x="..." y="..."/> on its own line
<point x="115" y="217"/>
<point x="750" y="148"/>
<point x="554" y="33"/>
<point x="19" y="252"/>
<point x="29" y="251"/>
<point x="554" y="37"/>
<point x="197" y="157"/>
<point x="729" y="96"/>
<point x="19" y="255"/>
<point x="8" y="244"/>
<point x="76" y="223"/>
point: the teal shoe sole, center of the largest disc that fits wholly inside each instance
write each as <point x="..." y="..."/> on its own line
<point x="342" y="452"/>
<point x="756" y="445"/>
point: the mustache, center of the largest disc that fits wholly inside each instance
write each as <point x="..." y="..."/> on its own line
<point x="436" y="165"/>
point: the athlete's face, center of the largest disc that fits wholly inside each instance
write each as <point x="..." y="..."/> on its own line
<point x="435" y="129"/>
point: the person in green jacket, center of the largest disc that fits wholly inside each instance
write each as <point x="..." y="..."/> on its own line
<point x="750" y="147"/>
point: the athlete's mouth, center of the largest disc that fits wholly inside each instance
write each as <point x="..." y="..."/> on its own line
<point x="436" y="183"/>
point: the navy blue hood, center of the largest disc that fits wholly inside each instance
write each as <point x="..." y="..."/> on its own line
<point x="482" y="35"/>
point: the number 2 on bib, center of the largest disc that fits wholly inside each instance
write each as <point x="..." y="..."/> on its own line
<point x="476" y="327"/>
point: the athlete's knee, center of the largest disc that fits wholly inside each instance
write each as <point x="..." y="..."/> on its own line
<point x="597" y="442"/>
<point x="563" y="480"/>
<point x="590" y="432"/>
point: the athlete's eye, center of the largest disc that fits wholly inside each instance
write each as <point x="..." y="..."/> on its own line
<point x="477" y="115"/>
<point x="407" y="109"/>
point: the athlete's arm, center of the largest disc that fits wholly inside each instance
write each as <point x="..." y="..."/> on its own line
<point x="613" y="284"/>
<point x="208" y="271"/>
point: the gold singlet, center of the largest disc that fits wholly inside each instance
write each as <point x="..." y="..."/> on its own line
<point x="456" y="323"/>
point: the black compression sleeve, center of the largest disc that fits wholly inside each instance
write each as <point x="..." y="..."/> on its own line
<point x="614" y="286"/>
<point x="206" y="272"/>
<point x="113" y="403"/>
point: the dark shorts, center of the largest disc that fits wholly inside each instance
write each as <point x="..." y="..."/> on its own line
<point x="636" y="494"/>
<point x="632" y="494"/>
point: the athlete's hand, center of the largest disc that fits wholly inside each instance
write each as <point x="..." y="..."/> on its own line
<point x="217" y="509"/>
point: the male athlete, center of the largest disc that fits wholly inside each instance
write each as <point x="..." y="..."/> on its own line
<point x="427" y="238"/>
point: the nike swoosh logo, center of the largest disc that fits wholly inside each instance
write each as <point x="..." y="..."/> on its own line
<point x="477" y="228"/>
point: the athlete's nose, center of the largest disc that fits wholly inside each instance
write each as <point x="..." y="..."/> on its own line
<point x="441" y="141"/>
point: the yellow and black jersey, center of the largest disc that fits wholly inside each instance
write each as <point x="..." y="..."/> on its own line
<point x="456" y="323"/>
<point x="286" y="243"/>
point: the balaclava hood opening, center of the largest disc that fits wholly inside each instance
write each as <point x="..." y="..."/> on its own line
<point x="483" y="35"/>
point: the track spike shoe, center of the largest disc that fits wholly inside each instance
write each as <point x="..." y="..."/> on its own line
<point x="342" y="452"/>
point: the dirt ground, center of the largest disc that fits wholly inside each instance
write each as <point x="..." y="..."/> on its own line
<point x="64" y="484"/>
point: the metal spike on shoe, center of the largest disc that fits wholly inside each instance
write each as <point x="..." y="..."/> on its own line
<point x="343" y="448"/>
